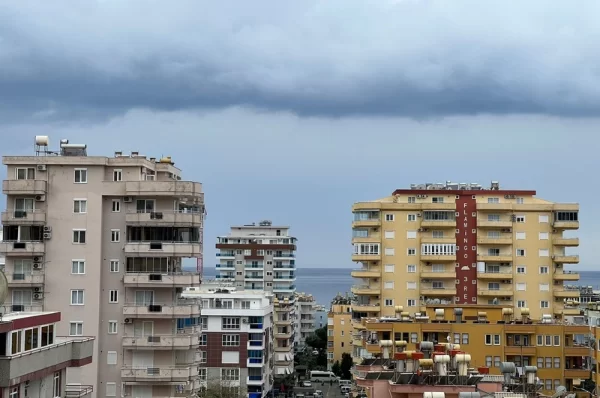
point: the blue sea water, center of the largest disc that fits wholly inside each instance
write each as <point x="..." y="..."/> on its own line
<point x="325" y="283"/>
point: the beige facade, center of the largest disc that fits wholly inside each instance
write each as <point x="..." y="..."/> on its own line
<point x="305" y="318"/>
<point x="339" y="330"/>
<point x="462" y="244"/>
<point x="102" y="239"/>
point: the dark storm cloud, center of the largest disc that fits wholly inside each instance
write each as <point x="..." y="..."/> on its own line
<point x="419" y="59"/>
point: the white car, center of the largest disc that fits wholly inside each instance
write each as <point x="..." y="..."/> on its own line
<point x="306" y="383"/>
<point x="318" y="394"/>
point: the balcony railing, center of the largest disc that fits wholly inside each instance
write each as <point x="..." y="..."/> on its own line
<point x="31" y="217"/>
<point x="77" y="390"/>
<point x="176" y="309"/>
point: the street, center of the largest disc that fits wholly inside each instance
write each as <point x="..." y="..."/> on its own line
<point x="332" y="391"/>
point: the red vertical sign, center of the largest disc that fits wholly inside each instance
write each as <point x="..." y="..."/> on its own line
<point x="466" y="249"/>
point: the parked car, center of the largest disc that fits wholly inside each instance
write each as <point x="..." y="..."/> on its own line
<point x="306" y="383"/>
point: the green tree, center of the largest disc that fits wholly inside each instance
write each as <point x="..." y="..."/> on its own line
<point x="337" y="368"/>
<point x="346" y="366"/>
<point x="318" y="342"/>
<point x="221" y="389"/>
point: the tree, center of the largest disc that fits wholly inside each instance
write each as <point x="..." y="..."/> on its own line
<point x="318" y="340"/>
<point x="221" y="389"/>
<point x="337" y="368"/>
<point x="346" y="366"/>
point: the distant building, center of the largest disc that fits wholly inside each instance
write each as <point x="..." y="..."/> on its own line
<point x="236" y="345"/>
<point x="339" y="329"/>
<point x="305" y="318"/>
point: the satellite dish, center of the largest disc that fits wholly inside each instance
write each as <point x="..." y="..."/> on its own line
<point x="560" y="391"/>
<point x="3" y="288"/>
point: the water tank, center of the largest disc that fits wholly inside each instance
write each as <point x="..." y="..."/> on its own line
<point x="434" y="395"/>
<point x="41" y="140"/>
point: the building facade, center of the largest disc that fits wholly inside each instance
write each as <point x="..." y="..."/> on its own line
<point x="237" y="339"/>
<point x="2" y="258"/>
<point x="262" y="257"/>
<point x="462" y="244"/>
<point x="305" y="319"/>
<point x="101" y="239"/>
<point x="34" y="358"/>
<point x="339" y="330"/>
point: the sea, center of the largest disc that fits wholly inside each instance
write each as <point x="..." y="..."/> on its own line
<point x="325" y="283"/>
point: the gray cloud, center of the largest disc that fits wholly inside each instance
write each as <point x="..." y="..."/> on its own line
<point x="62" y="60"/>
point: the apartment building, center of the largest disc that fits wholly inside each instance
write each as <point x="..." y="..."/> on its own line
<point x="564" y="354"/>
<point x="34" y="358"/>
<point x="305" y="319"/>
<point x="237" y="339"/>
<point x="463" y="244"/>
<point x="339" y="330"/>
<point x="101" y="239"/>
<point x="2" y="258"/>
<point x="261" y="256"/>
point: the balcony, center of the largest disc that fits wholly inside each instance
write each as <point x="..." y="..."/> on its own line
<point x="367" y="222"/>
<point x="483" y="222"/>
<point x="503" y="273"/>
<point x="431" y="239"/>
<point x="283" y="322"/>
<point x="438" y="258"/>
<point x="429" y="290"/>
<point x="566" y="242"/>
<point x="165" y="218"/>
<point x="366" y="307"/>
<point x="496" y="207"/>
<point x="365" y="290"/>
<point x="438" y="223"/>
<point x="562" y="292"/>
<point x="365" y="273"/>
<point x="21" y="217"/>
<point x="283" y="335"/>
<point x="35" y="278"/>
<point x="163" y="249"/>
<point x="174" y="188"/>
<point x="565" y="225"/>
<point x="284" y="288"/>
<point x="438" y="206"/>
<point x="501" y="240"/>
<point x="577" y="351"/>
<point x="162" y="342"/>
<point x="254" y="380"/>
<point x="564" y="259"/>
<point x="72" y="351"/>
<point x="225" y="267"/>
<point x="495" y="258"/>
<point x="438" y="275"/>
<point x="170" y="279"/>
<point x="22" y="249"/>
<point x="78" y="390"/>
<point x="168" y="310"/>
<point x="372" y="238"/>
<point x="19" y="307"/>
<point x="159" y="374"/>
<point x="566" y="276"/>
<point x="256" y="345"/>
<point x="255" y="362"/>
<point x="563" y="309"/>
<point x="519" y="350"/>
<point x="24" y="187"/>
<point x="503" y="292"/>
<point x="577" y="373"/>
<point x="366" y="257"/>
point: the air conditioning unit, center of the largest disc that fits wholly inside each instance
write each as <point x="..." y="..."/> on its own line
<point x="127" y="320"/>
<point x="419" y="214"/>
<point x="127" y="199"/>
<point x="38" y="296"/>
<point x="40" y="198"/>
<point x="47" y="236"/>
<point x="47" y="228"/>
<point x="37" y="259"/>
<point x="41" y="167"/>
<point x="244" y="320"/>
<point x="37" y="265"/>
<point x="509" y="196"/>
<point x="37" y="289"/>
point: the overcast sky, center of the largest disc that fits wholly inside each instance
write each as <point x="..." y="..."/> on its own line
<point x="292" y="111"/>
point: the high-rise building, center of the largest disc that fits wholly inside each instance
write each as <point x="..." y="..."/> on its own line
<point x="305" y="319"/>
<point x="237" y="339"/>
<point x="462" y="244"/>
<point x="101" y="239"/>
<point x="2" y="258"/>
<point x="339" y="330"/>
<point x="262" y="257"/>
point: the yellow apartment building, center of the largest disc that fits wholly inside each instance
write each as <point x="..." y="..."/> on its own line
<point x="564" y="354"/>
<point x="464" y="244"/>
<point x="339" y="330"/>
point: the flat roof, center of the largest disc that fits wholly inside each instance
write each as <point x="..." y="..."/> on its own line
<point x="22" y="320"/>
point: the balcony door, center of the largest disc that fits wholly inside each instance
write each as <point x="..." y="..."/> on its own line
<point x="144" y="297"/>
<point x="141" y="391"/>
<point x="143" y="329"/>
<point x="24" y="204"/>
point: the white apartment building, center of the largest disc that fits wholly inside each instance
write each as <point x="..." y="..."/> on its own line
<point x="262" y="257"/>
<point x="101" y="239"/>
<point x="305" y="319"/>
<point x="237" y="339"/>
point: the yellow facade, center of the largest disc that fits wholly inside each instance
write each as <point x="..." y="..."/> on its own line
<point x="522" y="252"/>
<point x="560" y="351"/>
<point x="339" y="331"/>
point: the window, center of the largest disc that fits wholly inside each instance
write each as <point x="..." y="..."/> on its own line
<point x="111" y="358"/>
<point x="544" y="252"/>
<point x="520" y="201"/>
<point x="204" y="322"/>
<point x="202" y="373"/>
<point x="488" y="339"/>
<point x="114" y="265"/>
<point x="359" y="248"/>
<point x="412" y="199"/>
<point x="438" y="249"/>
<point x="390" y="234"/>
<point x="113" y="296"/>
<point x="493" y="200"/>
<point x="203" y="357"/>
<point x="465" y="338"/>
<point x="24" y="205"/>
<point x="557" y="341"/>
<point x="521" y="304"/>
<point x="544" y="304"/>
<point x="520" y="252"/>
<point x="388" y="303"/>
<point x="493" y="217"/>
<point x="79" y="206"/>
<point x="203" y="339"/>
<point x="411" y="268"/>
<point x="79" y="236"/>
<point x="230" y="323"/>
<point x="496" y="339"/>
<point x="388" y="285"/>
<point x="25" y="173"/>
<point x="411" y="252"/>
<point x="411" y="217"/>
<point x="544" y="287"/>
<point x="488" y="361"/>
<point x="230" y="374"/>
<point x="76" y="297"/>
<point x="497" y="362"/>
<point x="521" y="286"/>
<point x="56" y="385"/>
<point x="543" y="269"/>
<point x="75" y="328"/>
<point x="81" y="176"/>
<point x="520" y="218"/>
<point x="411" y="303"/>
<point x="389" y="268"/>
<point x="540" y="340"/>
<point x="117" y="175"/>
<point x="231" y="340"/>
<point x="112" y="327"/>
<point x="115" y="235"/>
<point x="521" y="269"/>
<point x="389" y="251"/>
<point x="411" y="285"/>
<point x="520" y="235"/>
<point x="543" y="218"/>
<point x="540" y="362"/>
<point x="111" y="389"/>
<point x="548" y="340"/>
<point x="145" y="205"/>
<point x="437" y="234"/>
<point x="543" y="235"/>
<point x="116" y="205"/>
<point x="438" y="199"/>
<point x="389" y="217"/>
<point x="438" y="268"/>
<point x="411" y="234"/>
<point x="78" y="267"/>
<point x="556" y="362"/>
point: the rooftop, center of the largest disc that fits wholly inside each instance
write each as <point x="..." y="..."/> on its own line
<point x="458" y="186"/>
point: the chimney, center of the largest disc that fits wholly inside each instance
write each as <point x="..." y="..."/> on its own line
<point x="458" y="312"/>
